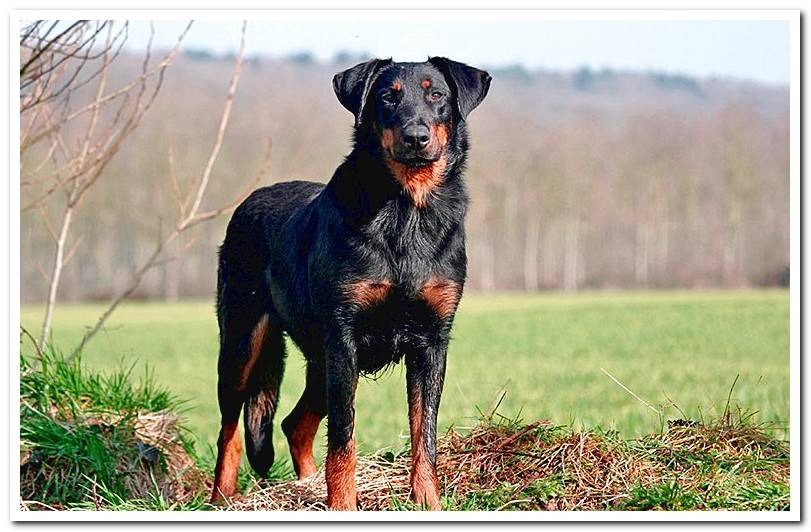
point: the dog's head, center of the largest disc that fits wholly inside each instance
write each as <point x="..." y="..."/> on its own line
<point x="410" y="112"/>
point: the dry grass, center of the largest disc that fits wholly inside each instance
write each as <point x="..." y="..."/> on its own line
<point x="539" y="466"/>
<point x="180" y="480"/>
<point x="494" y="466"/>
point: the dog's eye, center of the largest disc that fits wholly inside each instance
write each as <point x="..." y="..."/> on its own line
<point x="389" y="96"/>
<point x="436" y="96"/>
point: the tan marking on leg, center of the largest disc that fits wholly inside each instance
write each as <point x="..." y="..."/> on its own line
<point x="442" y="295"/>
<point x="260" y="404"/>
<point x="341" y="490"/>
<point x="229" y="449"/>
<point x="424" y="480"/>
<point x="366" y="294"/>
<point x="258" y="336"/>
<point x="301" y="444"/>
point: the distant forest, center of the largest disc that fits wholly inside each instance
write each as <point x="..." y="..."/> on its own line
<point x="585" y="179"/>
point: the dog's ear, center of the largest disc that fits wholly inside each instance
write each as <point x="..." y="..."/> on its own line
<point x="352" y="85"/>
<point x="469" y="84"/>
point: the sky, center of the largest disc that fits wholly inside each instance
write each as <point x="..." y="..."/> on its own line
<point x="745" y="49"/>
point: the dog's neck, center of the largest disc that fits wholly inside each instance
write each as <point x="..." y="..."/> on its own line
<point x="367" y="182"/>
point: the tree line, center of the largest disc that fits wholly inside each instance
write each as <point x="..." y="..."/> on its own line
<point x="578" y="180"/>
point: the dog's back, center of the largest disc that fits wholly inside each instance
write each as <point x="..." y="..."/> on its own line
<point x="246" y="251"/>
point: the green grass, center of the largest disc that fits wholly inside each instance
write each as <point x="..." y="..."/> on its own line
<point x="77" y="430"/>
<point x="545" y="350"/>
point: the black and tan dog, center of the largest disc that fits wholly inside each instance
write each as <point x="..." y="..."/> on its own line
<point x="361" y="273"/>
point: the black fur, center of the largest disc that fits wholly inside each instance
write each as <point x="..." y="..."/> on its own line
<point x="292" y="249"/>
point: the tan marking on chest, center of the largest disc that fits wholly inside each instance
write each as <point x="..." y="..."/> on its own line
<point x="366" y="294"/>
<point x="442" y="295"/>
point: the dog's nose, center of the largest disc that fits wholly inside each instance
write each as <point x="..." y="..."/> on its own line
<point x="416" y="137"/>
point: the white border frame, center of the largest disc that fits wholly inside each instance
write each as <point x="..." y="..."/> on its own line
<point x="790" y="16"/>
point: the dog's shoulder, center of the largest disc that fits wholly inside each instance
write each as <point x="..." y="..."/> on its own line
<point x="277" y="200"/>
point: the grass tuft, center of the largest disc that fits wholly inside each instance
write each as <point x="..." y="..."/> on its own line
<point x="94" y="440"/>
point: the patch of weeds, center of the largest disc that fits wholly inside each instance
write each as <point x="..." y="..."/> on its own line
<point x="83" y="434"/>
<point x="749" y="494"/>
<point x="545" y="490"/>
<point x="661" y="496"/>
<point x="487" y="499"/>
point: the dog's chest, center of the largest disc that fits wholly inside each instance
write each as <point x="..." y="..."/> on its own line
<point x="389" y="320"/>
<point x="406" y="236"/>
<point x="403" y="293"/>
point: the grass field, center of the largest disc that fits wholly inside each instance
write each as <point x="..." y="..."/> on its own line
<point x="545" y="351"/>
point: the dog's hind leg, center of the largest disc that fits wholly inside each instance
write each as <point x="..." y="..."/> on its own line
<point x="301" y="425"/>
<point x="229" y="445"/>
<point x="250" y="370"/>
<point x="262" y="398"/>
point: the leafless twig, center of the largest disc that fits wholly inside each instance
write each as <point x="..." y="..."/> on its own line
<point x="191" y="215"/>
<point x="49" y="79"/>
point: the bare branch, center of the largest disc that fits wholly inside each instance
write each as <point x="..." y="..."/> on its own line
<point x="38" y="351"/>
<point x="72" y="250"/>
<point x="263" y="170"/>
<point x="56" y="274"/>
<point x="190" y="218"/>
<point x="226" y="114"/>
<point x="48" y="44"/>
<point x="77" y="168"/>
<point x="45" y="278"/>
<point x="181" y="207"/>
<point x="48" y="224"/>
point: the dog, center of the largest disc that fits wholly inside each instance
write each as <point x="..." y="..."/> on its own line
<point x="361" y="273"/>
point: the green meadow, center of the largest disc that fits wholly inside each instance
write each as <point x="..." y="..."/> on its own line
<point x="543" y="356"/>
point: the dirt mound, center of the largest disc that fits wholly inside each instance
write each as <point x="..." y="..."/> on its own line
<point x="146" y="459"/>
<point x="507" y="466"/>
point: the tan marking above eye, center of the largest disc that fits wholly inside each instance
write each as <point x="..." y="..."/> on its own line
<point x="396" y="86"/>
<point x="426" y="84"/>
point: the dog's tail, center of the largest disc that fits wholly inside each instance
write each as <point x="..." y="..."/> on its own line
<point x="260" y="406"/>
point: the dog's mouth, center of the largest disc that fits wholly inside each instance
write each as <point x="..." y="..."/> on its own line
<point x="415" y="159"/>
<point x="398" y="151"/>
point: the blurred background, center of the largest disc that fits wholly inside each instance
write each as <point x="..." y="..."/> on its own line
<point x="611" y="154"/>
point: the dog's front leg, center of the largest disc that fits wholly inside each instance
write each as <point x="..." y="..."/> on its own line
<point x="425" y="374"/>
<point x="342" y="380"/>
